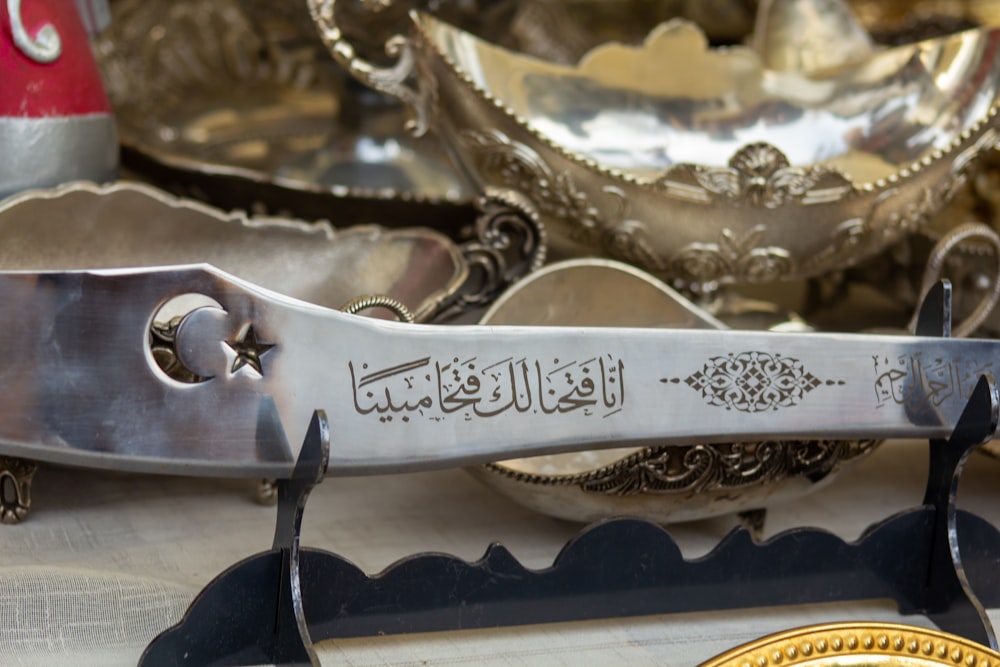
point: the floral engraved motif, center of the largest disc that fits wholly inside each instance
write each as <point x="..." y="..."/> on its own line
<point x="628" y="239"/>
<point x="524" y="170"/>
<point x="719" y="467"/>
<point x="556" y="195"/>
<point x="735" y="256"/>
<point x="759" y="175"/>
<point x="753" y="381"/>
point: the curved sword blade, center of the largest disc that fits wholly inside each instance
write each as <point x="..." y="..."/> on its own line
<point x="80" y="384"/>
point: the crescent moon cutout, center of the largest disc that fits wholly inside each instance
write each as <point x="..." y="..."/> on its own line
<point x="161" y="337"/>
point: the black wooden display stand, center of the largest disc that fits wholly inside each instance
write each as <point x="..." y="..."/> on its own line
<point x="270" y="607"/>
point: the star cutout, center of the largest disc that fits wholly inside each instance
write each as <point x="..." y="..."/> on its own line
<point x="248" y="351"/>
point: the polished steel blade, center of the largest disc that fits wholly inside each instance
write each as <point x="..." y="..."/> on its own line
<point x="80" y="384"/>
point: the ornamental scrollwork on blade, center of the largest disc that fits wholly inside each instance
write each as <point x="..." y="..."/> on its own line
<point x="522" y="169"/>
<point x="720" y="467"/>
<point x="733" y="255"/>
<point x="758" y="175"/>
<point x="752" y="381"/>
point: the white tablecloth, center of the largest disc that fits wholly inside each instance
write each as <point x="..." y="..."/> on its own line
<point x="106" y="561"/>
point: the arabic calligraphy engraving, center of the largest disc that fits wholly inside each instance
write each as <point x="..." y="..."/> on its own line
<point x="920" y="383"/>
<point x="433" y="389"/>
<point x="753" y="381"/>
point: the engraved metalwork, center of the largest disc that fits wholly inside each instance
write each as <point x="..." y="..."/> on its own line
<point x="922" y="383"/>
<point x="472" y="383"/>
<point x="729" y="152"/>
<point x="739" y="257"/>
<point x="520" y="168"/>
<point x="510" y="243"/>
<point x="390" y="80"/>
<point x="44" y="47"/>
<point x="950" y="247"/>
<point x="662" y="483"/>
<point x="705" y="468"/>
<point x="979" y="241"/>
<point x="753" y="381"/>
<point x="434" y="389"/>
<point x="759" y="175"/>
<point x="395" y="306"/>
<point x="236" y="102"/>
<point x="248" y="351"/>
<point x="836" y="644"/>
<point x="16" y="476"/>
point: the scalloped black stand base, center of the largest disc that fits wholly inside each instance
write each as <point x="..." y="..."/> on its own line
<point x="269" y="608"/>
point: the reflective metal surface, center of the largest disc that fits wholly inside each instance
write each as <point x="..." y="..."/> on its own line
<point x="960" y="244"/>
<point x="661" y="484"/>
<point x="893" y="15"/>
<point x="79" y="383"/>
<point x="859" y="645"/>
<point x="87" y="147"/>
<point x="231" y="89"/>
<point x="809" y="35"/>
<point x="133" y="225"/>
<point x="707" y="174"/>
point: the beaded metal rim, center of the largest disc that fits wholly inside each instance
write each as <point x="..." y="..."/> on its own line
<point x="422" y="21"/>
<point x="843" y="644"/>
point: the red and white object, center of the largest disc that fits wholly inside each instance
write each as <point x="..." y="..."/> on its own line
<point x="56" y="124"/>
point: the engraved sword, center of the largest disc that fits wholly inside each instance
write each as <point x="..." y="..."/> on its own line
<point x="82" y="381"/>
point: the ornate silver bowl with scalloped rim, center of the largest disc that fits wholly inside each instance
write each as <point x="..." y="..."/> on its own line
<point x="703" y="164"/>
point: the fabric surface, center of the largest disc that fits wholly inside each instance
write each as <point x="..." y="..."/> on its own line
<point x="106" y="561"/>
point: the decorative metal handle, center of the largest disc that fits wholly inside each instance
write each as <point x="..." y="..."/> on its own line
<point x="953" y="240"/>
<point x="45" y="47"/>
<point x="389" y="80"/>
<point x="367" y="301"/>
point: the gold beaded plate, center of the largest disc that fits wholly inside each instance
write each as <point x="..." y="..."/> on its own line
<point x="859" y="645"/>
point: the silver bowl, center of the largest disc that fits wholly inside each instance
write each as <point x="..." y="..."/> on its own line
<point x="88" y="226"/>
<point x="665" y="484"/>
<point x="703" y="164"/>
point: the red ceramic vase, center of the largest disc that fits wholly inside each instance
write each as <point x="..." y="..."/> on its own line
<point x="56" y="123"/>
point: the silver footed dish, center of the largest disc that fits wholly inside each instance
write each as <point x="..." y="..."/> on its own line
<point x="133" y="225"/>
<point x="698" y="164"/>
<point x="666" y="483"/>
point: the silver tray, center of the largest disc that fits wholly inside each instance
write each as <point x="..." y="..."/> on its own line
<point x="88" y="226"/>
